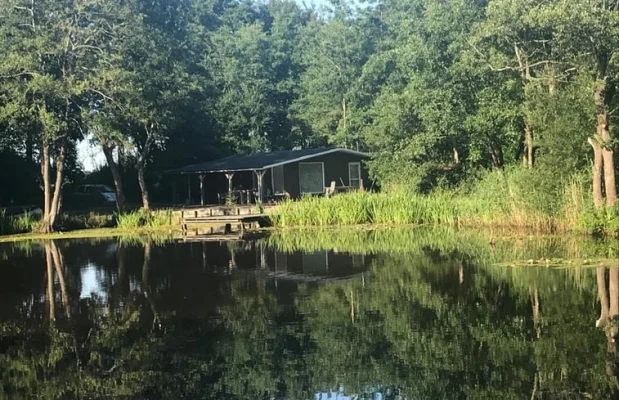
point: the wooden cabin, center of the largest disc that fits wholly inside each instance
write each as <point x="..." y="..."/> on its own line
<point x="275" y="175"/>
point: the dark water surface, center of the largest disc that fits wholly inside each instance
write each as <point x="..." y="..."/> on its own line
<point x="314" y="315"/>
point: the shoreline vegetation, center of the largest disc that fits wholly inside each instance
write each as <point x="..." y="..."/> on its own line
<point x="507" y="199"/>
<point x="89" y="225"/>
<point x="510" y="199"/>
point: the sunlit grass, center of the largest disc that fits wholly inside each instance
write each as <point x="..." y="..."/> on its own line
<point x="140" y="218"/>
<point x="497" y="200"/>
<point x="402" y="208"/>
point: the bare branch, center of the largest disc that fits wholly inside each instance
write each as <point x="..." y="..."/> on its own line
<point x="100" y="93"/>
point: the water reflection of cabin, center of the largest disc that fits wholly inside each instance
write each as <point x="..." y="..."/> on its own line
<point x="239" y="255"/>
<point x="275" y="175"/>
<point x="318" y="263"/>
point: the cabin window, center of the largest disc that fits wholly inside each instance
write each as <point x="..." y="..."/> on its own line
<point x="277" y="175"/>
<point x="311" y="177"/>
<point x="354" y="174"/>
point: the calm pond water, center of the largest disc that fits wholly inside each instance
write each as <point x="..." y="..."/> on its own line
<point x="394" y="314"/>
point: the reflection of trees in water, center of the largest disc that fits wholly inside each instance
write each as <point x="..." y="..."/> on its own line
<point x="427" y="324"/>
<point x="609" y="320"/>
<point x="55" y="270"/>
<point x="83" y="345"/>
<point x="518" y="336"/>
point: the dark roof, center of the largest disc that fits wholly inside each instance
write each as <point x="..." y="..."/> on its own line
<point x="259" y="160"/>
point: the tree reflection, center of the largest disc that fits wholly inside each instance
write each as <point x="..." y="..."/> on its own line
<point x="429" y="323"/>
<point x="55" y="269"/>
<point x="609" y="321"/>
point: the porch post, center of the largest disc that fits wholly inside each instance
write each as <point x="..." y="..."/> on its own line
<point x="201" y="189"/>
<point x="188" y="189"/>
<point x="229" y="175"/>
<point x="174" y="192"/>
<point x="260" y="175"/>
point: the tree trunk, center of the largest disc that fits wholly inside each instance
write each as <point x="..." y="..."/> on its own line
<point x="598" y="160"/>
<point x="609" y="163"/>
<point x="601" y="99"/>
<point x="57" y="199"/>
<point x="142" y="182"/>
<point x="496" y="152"/>
<point x="528" y="145"/>
<point x="47" y="188"/>
<point x="141" y="165"/>
<point x="52" y="204"/>
<point x="116" y="175"/>
<point x="525" y="72"/>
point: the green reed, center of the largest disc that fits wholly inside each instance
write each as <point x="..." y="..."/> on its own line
<point x="144" y="219"/>
<point x="498" y="200"/>
<point x="12" y="224"/>
<point x="368" y="208"/>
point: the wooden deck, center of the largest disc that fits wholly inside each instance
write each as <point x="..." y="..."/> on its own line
<point x="219" y="210"/>
<point x="222" y="216"/>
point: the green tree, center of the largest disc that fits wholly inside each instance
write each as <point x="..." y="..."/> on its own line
<point x="333" y="53"/>
<point x="587" y="38"/>
<point x="51" y="52"/>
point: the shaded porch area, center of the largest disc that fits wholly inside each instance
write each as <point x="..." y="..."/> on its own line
<point x="267" y="178"/>
<point x="231" y="188"/>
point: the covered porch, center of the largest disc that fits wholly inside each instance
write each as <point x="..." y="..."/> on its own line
<point x="266" y="178"/>
<point x="239" y="188"/>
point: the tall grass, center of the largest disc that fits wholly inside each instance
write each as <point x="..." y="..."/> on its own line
<point x="506" y="199"/>
<point x="12" y="224"/>
<point x="89" y="220"/>
<point x="143" y="219"/>
<point x="363" y="208"/>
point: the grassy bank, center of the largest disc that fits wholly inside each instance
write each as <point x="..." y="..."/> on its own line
<point x="88" y="225"/>
<point x="93" y="233"/>
<point x="500" y="199"/>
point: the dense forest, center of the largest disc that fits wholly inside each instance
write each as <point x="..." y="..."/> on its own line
<point x="440" y="92"/>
